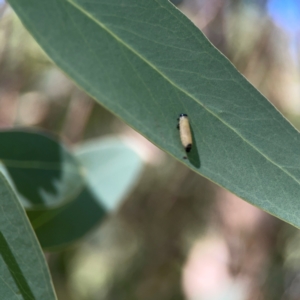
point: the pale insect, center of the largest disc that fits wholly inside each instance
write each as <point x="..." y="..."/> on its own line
<point x="185" y="132"/>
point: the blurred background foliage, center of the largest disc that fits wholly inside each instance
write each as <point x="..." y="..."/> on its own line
<point x="175" y="235"/>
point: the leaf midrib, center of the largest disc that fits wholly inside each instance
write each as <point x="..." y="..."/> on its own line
<point x="90" y="16"/>
<point x="177" y="87"/>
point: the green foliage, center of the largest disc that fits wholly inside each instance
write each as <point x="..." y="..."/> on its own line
<point x="43" y="171"/>
<point x="23" y="270"/>
<point x="110" y="168"/>
<point x="147" y="63"/>
<point x="80" y="192"/>
<point x="60" y="226"/>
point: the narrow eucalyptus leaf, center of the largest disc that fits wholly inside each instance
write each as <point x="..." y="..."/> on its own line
<point x="147" y="63"/>
<point x="23" y="271"/>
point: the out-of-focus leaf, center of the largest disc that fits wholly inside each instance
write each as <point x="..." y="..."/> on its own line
<point x="23" y="271"/>
<point x="111" y="169"/>
<point x="44" y="173"/>
<point x="147" y="63"/>
<point x="60" y="226"/>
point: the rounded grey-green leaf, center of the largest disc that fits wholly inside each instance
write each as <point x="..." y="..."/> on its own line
<point x="111" y="168"/>
<point x="58" y="227"/>
<point x="44" y="173"/>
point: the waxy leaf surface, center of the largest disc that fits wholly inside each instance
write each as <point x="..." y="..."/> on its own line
<point x="147" y="63"/>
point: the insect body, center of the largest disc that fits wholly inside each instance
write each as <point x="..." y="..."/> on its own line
<point x="185" y="132"/>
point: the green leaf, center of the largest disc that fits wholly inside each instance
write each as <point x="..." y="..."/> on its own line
<point x="111" y="169"/>
<point x="44" y="173"/>
<point x="60" y="226"/>
<point x="23" y="271"/>
<point x="147" y="63"/>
